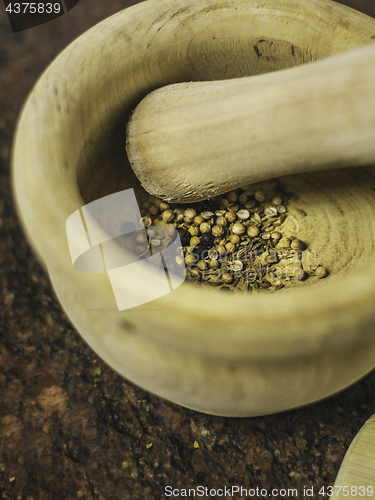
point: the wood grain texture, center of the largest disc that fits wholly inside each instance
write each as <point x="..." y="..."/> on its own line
<point x="226" y="355"/>
<point x="356" y="476"/>
<point x="192" y="141"/>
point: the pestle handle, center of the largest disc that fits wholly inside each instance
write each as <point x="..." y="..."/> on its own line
<point x="191" y="141"/>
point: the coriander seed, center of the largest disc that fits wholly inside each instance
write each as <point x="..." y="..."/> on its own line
<point x="297" y="244"/>
<point x="201" y="265"/>
<point x="271" y="211"/>
<point x="231" y="217"/>
<point x="193" y="230"/>
<point x="179" y="260"/>
<point x="300" y="274"/>
<point x="146" y="221"/>
<point x="277" y="200"/>
<point x="227" y="278"/>
<point x="237" y="266"/>
<point x="153" y="209"/>
<point x="194" y="274"/>
<point x="230" y="246"/>
<point x="253" y="231"/>
<point x="198" y="219"/>
<point x="250" y="204"/>
<point x="243" y="214"/>
<point x="233" y="207"/>
<point x="221" y="221"/>
<point x="272" y="258"/>
<point x="205" y="227"/>
<point x="242" y="198"/>
<point x="194" y="241"/>
<point x="238" y="228"/>
<point x="259" y="196"/>
<point x="232" y="197"/>
<point x="224" y="204"/>
<point x="189" y="214"/>
<point x="190" y="259"/>
<point x="221" y="250"/>
<point x="213" y="254"/>
<point x="213" y="264"/>
<point x="217" y="230"/>
<point x="321" y="272"/>
<point x="141" y="238"/>
<point x="163" y="205"/>
<point x="168" y="215"/>
<point x="234" y="238"/>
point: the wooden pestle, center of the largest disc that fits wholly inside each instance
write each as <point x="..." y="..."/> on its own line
<point x="191" y="141"/>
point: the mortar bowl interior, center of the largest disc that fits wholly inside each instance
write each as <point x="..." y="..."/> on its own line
<point x="226" y="354"/>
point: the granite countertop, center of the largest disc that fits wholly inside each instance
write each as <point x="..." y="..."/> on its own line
<point x="70" y="427"/>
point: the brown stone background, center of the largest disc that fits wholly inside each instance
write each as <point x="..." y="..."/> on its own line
<point x="72" y="428"/>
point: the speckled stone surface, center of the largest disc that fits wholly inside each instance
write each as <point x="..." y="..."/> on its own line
<point x="70" y="427"/>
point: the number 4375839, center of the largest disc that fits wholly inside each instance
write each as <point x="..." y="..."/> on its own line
<point x="33" y="8"/>
<point x="346" y="491"/>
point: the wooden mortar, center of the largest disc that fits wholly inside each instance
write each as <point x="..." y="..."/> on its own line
<point x="223" y="354"/>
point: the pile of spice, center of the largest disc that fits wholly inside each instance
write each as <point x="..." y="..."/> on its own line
<point x="235" y="241"/>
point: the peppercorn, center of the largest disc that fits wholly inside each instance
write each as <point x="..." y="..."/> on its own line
<point x="207" y="239"/>
<point x="200" y="251"/>
<point x="184" y="236"/>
